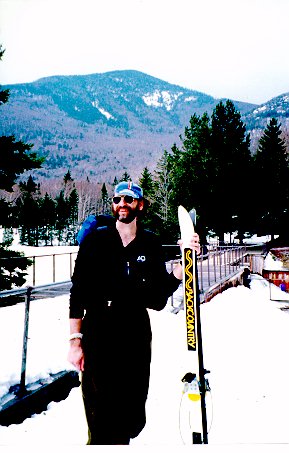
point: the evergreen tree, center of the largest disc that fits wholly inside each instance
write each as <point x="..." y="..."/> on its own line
<point x="13" y="268"/>
<point x="147" y="184"/>
<point x="202" y="173"/>
<point x="48" y="219"/>
<point x="6" y="217"/>
<point x="149" y="219"/>
<point x="73" y="216"/>
<point x="67" y="177"/>
<point x="191" y="172"/>
<point x="62" y="217"/>
<point x="30" y="186"/>
<point x="15" y="158"/>
<point x="125" y="177"/>
<point x="163" y="187"/>
<point x="230" y="161"/>
<point x="73" y="207"/>
<point x="29" y="217"/>
<point x="68" y="183"/>
<point x="105" y="204"/>
<point x="271" y="172"/>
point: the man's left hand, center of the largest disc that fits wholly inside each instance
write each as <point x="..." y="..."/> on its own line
<point x="194" y="244"/>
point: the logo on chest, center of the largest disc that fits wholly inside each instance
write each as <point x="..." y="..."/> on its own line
<point x="141" y="259"/>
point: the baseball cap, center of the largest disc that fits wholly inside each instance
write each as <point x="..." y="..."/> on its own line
<point x="128" y="188"/>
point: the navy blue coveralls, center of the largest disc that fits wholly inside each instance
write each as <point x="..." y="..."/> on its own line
<point x="112" y="287"/>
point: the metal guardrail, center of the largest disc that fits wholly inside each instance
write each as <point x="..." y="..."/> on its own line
<point x="52" y="263"/>
<point x="217" y="267"/>
<point x="214" y="263"/>
<point x="220" y="263"/>
<point x="27" y="292"/>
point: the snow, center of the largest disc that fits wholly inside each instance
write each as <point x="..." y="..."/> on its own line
<point x="255" y="239"/>
<point x="245" y="342"/>
<point x="190" y="99"/>
<point x="102" y="110"/>
<point x="260" y="109"/>
<point x="271" y="263"/>
<point x="161" y="98"/>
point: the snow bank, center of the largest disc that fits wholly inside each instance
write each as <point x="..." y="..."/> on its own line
<point x="47" y="344"/>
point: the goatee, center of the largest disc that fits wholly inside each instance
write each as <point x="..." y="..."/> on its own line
<point x="131" y="214"/>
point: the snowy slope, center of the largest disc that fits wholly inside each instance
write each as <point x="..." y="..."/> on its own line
<point x="246" y="340"/>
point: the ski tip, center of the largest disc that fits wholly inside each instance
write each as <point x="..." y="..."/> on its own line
<point x="182" y="211"/>
<point x="193" y="215"/>
<point x="184" y="214"/>
<point x="186" y="224"/>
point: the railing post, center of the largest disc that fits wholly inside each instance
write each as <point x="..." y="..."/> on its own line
<point x="34" y="271"/>
<point x="53" y="261"/>
<point x="172" y="296"/>
<point x="22" y="387"/>
<point x="209" y="280"/>
<point x="70" y="265"/>
<point x="201" y="269"/>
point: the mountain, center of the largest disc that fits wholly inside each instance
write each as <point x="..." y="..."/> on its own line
<point x="257" y="119"/>
<point x="277" y="107"/>
<point x="101" y="125"/>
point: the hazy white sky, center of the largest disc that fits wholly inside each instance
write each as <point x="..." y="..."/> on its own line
<point x="236" y="49"/>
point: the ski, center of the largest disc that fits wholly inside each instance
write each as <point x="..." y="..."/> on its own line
<point x="193" y="321"/>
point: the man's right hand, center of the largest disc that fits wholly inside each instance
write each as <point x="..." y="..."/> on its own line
<point x="75" y="354"/>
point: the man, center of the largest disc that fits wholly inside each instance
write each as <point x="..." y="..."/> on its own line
<point x="119" y="273"/>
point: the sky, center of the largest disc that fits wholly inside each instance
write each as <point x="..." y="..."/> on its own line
<point x="235" y="49"/>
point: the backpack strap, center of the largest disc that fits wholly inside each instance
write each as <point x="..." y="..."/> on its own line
<point x="91" y="223"/>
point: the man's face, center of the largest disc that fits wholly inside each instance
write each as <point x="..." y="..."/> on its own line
<point x="125" y="211"/>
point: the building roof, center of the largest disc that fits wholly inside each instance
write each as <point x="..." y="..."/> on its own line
<point x="281" y="254"/>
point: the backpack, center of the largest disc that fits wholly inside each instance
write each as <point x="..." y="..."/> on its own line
<point x="91" y="223"/>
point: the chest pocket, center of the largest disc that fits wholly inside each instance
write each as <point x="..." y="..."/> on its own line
<point x="140" y="270"/>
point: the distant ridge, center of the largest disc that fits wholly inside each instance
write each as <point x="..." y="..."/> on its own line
<point x="100" y="125"/>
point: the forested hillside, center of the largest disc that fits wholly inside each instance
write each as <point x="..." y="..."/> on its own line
<point x="100" y="125"/>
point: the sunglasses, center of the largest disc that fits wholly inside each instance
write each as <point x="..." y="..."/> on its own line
<point x="127" y="198"/>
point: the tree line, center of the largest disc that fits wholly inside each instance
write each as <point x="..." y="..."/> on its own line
<point x="214" y="172"/>
<point x="42" y="219"/>
<point x="45" y="219"/>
